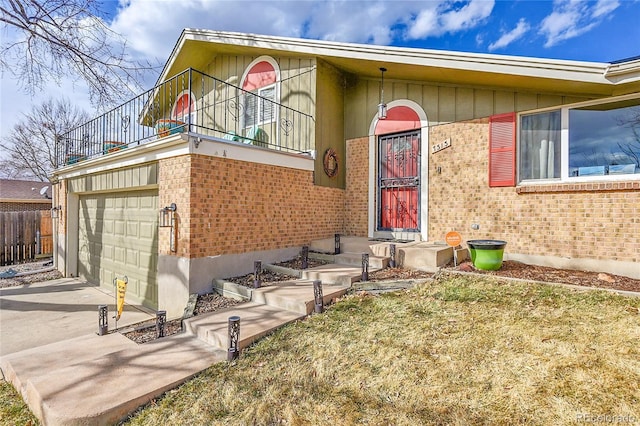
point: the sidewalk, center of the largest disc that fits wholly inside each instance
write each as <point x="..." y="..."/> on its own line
<point x="98" y="380"/>
<point x="47" y="312"/>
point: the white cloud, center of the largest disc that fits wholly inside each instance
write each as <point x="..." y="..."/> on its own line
<point x="152" y="27"/>
<point x="448" y="17"/>
<point x="604" y="7"/>
<point x="571" y="18"/>
<point x="507" y="38"/>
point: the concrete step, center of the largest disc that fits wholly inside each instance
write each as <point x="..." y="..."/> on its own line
<point x="334" y="274"/>
<point x="296" y="296"/>
<point x="256" y="321"/>
<point x="104" y="389"/>
<point x="347" y="245"/>
<point x="20" y="367"/>
<point x="355" y="259"/>
<point x="425" y="256"/>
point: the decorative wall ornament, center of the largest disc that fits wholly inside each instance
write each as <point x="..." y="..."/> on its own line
<point x="330" y="162"/>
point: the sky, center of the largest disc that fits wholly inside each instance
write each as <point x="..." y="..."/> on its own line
<point x="598" y="31"/>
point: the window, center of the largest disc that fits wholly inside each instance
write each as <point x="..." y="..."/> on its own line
<point x="605" y="139"/>
<point x="540" y="146"/>
<point x="260" y="84"/>
<point x="598" y="140"/>
<point x="260" y="109"/>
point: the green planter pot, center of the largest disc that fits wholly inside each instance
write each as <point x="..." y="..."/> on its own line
<point x="487" y="254"/>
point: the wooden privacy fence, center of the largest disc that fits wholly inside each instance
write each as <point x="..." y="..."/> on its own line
<point x="25" y="236"/>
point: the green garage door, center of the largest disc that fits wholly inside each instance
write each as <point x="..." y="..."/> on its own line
<point x="118" y="236"/>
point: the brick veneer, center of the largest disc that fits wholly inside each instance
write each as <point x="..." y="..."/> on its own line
<point x="356" y="190"/>
<point x="587" y="220"/>
<point x="24" y="207"/>
<point x="228" y="207"/>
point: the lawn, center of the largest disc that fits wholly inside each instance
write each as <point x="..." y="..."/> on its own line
<point x="462" y="350"/>
<point x="458" y="351"/>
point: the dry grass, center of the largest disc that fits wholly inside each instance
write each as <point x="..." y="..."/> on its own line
<point x="13" y="411"/>
<point x="459" y="351"/>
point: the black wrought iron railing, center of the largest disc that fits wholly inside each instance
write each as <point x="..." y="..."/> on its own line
<point x="192" y="102"/>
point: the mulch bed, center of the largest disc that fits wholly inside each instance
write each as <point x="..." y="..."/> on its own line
<point x="206" y="303"/>
<point x="513" y="269"/>
<point x="297" y="263"/>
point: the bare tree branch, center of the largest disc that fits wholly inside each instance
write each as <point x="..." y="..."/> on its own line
<point x="57" y="38"/>
<point x="30" y="147"/>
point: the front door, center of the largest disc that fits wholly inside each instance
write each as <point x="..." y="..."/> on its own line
<point x="399" y="182"/>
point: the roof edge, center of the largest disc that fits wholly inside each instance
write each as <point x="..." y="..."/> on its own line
<point x="590" y="72"/>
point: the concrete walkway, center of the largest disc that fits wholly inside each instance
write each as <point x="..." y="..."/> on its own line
<point x="41" y="313"/>
<point x="98" y="380"/>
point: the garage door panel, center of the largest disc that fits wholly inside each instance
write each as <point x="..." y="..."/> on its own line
<point x="120" y="238"/>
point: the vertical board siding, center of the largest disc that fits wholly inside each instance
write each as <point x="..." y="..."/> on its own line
<point x="21" y="236"/>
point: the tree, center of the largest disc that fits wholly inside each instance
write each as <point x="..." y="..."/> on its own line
<point x="30" y="147"/>
<point x="56" y="38"/>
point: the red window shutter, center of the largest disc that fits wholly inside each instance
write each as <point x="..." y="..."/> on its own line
<point x="502" y="150"/>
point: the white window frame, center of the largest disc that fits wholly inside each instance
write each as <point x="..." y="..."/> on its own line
<point x="258" y="113"/>
<point x="276" y="85"/>
<point x="564" y="145"/>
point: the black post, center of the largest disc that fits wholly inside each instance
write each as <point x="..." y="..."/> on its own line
<point x="392" y="255"/>
<point x="234" y="335"/>
<point x="103" y="322"/>
<point x="365" y="267"/>
<point x="257" y="274"/>
<point x="317" y="296"/>
<point x="305" y="257"/>
<point x="161" y="319"/>
<point x="337" y="244"/>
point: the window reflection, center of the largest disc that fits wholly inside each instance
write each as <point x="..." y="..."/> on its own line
<point x="605" y="139"/>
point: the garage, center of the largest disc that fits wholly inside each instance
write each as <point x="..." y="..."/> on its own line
<point x="117" y="235"/>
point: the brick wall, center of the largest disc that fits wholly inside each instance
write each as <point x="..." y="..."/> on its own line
<point x="174" y="186"/>
<point x="597" y="221"/>
<point x="24" y="207"/>
<point x="229" y="207"/>
<point x="357" y="184"/>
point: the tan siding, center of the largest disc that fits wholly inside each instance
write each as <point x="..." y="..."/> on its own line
<point x="503" y="102"/>
<point x="464" y="100"/>
<point x="122" y="179"/>
<point x="430" y="96"/>
<point x="483" y="103"/>
<point x="526" y="101"/>
<point x="446" y="104"/>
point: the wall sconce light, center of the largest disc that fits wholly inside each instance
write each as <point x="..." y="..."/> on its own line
<point x="55" y="212"/>
<point x="168" y="220"/>
<point x="382" y="107"/>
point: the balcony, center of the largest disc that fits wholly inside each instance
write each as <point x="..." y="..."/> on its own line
<point x="195" y="103"/>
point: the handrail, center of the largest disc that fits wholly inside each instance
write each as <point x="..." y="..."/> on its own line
<point x="215" y="108"/>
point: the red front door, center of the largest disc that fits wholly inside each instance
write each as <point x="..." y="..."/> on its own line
<point x="399" y="182"/>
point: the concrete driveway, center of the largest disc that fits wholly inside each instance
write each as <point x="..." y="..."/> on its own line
<point x="37" y="314"/>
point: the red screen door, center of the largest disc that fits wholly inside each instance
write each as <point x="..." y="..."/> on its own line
<point x="399" y="182"/>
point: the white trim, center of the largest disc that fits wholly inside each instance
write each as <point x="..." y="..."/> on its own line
<point x="564" y="144"/>
<point x="424" y="176"/>
<point x="276" y="67"/>
<point x="183" y="144"/>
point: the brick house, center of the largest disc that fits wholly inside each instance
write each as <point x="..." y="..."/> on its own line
<point x="251" y="146"/>
<point x="24" y="195"/>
